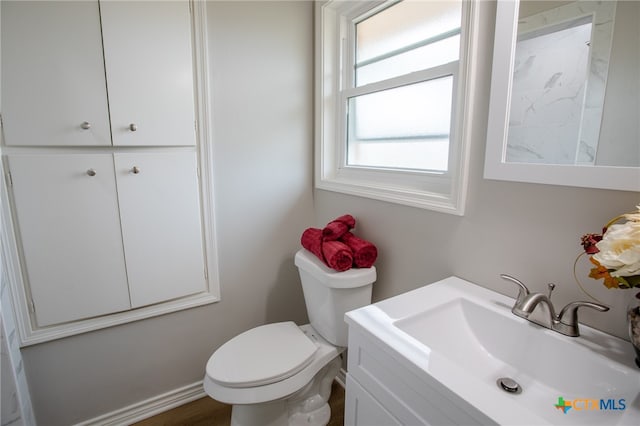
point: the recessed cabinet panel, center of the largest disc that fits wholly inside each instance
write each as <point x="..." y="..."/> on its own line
<point x="53" y="84"/>
<point x="67" y="214"/>
<point x="363" y="409"/>
<point x="161" y="225"/>
<point x="148" y="59"/>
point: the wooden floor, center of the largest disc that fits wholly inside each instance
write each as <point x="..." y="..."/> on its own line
<point x="206" y="411"/>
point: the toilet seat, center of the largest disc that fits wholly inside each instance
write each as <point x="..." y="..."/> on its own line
<point x="262" y="355"/>
<point x="280" y="389"/>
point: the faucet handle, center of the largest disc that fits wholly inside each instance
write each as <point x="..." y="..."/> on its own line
<point x="568" y="316"/>
<point x="523" y="291"/>
<point x="571" y="311"/>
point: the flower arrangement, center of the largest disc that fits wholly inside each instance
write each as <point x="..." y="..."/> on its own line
<point x="615" y="253"/>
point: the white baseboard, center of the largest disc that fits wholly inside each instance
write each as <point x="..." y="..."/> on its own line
<point x="161" y="403"/>
<point x="149" y="407"/>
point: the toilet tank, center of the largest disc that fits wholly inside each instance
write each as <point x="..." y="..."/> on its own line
<point x="329" y="294"/>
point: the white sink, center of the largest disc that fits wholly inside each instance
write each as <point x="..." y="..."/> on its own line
<point x="465" y="337"/>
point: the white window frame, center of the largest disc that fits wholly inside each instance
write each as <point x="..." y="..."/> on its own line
<point x="334" y="44"/>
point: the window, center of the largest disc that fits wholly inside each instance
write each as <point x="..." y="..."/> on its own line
<point x="393" y="94"/>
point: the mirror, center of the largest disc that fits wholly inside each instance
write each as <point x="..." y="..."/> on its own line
<point x="565" y="94"/>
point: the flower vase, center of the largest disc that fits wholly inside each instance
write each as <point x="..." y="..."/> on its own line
<point x="633" y="319"/>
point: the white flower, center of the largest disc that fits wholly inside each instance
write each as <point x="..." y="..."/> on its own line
<point x="620" y="248"/>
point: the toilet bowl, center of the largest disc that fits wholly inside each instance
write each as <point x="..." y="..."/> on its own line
<point x="281" y="374"/>
<point x="277" y="370"/>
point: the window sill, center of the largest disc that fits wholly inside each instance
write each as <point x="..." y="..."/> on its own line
<point x="384" y="191"/>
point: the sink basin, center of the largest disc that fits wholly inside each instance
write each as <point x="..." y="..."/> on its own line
<point x="465" y="337"/>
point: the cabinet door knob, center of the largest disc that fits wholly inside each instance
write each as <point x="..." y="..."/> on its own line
<point x="133" y="127"/>
<point x="85" y="125"/>
<point x="91" y="172"/>
<point x="135" y="170"/>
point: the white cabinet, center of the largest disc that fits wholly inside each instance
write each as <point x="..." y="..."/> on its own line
<point x="148" y="60"/>
<point x="91" y="249"/>
<point x="70" y="232"/>
<point x="54" y="66"/>
<point x="160" y="216"/>
<point x="384" y="389"/>
<point x="102" y="158"/>
<point x="363" y="409"/>
<point x="53" y="74"/>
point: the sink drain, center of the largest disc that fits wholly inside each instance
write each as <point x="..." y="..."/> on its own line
<point x="509" y="385"/>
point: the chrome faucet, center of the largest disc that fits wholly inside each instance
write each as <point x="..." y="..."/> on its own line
<point x="566" y="322"/>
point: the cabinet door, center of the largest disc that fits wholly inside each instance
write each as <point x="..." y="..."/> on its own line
<point x="148" y="58"/>
<point x="53" y="83"/>
<point x="161" y="226"/>
<point x="67" y="216"/>
<point x="362" y="409"/>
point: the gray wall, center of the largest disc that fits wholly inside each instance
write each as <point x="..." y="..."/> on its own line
<point x="530" y="231"/>
<point x="262" y="79"/>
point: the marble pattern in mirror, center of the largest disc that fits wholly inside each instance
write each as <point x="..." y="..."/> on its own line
<point x="560" y="72"/>
<point x="615" y="139"/>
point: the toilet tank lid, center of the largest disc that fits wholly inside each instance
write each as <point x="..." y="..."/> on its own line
<point x="354" y="277"/>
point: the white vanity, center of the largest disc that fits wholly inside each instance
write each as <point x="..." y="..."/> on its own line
<point x="435" y="355"/>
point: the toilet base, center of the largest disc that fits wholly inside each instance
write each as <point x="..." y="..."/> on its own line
<point x="267" y="414"/>
<point x="308" y="406"/>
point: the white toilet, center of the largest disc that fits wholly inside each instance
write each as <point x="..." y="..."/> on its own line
<point x="281" y="374"/>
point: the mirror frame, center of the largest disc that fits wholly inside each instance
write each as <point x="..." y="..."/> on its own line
<point x="496" y="166"/>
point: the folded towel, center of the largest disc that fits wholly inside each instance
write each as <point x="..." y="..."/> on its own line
<point x="334" y="254"/>
<point x="337" y="255"/>
<point x="364" y="252"/>
<point x="337" y="227"/>
<point x="312" y="240"/>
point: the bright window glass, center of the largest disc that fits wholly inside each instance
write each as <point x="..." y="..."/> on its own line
<point x="402" y="127"/>
<point x="395" y="124"/>
<point x="419" y="58"/>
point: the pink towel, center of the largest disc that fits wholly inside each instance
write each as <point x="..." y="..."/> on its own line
<point x="337" y="227"/>
<point x="334" y="254"/>
<point x="364" y="252"/>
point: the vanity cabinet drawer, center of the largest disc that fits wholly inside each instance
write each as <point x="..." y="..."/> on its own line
<point x="404" y="394"/>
